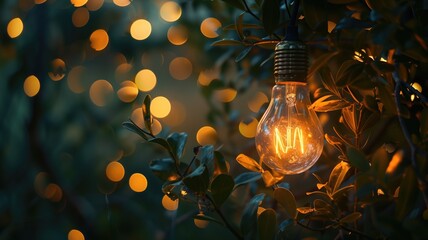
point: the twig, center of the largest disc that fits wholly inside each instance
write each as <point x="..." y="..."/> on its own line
<point x="228" y="225"/>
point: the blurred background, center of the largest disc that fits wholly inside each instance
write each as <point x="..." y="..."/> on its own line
<point x="71" y="72"/>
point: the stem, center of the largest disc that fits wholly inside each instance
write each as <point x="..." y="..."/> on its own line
<point x="190" y="164"/>
<point x="223" y="218"/>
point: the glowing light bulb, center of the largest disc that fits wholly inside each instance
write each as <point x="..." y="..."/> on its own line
<point x="289" y="136"/>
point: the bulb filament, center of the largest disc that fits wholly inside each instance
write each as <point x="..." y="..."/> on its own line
<point x="284" y="143"/>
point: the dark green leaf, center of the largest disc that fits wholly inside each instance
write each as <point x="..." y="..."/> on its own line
<point x="270" y="15"/>
<point x="243" y="54"/>
<point x="357" y="159"/>
<point x="173" y="189"/>
<point x="226" y="42"/>
<point x="221" y="187"/>
<point x="249" y="217"/>
<point x="146" y="113"/>
<point x="343" y="76"/>
<point x="198" y="180"/>
<point x="315" y="14"/>
<point x="320" y="62"/>
<point x="248" y="163"/>
<point x="219" y="163"/>
<point x="206" y="156"/>
<point x="244" y="26"/>
<point x="380" y="162"/>
<point x="134" y="128"/>
<point x="386" y="97"/>
<point x="286" y="199"/>
<point x="266" y="223"/>
<point x="247" y="177"/>
<point x="235" y="3"/>
<point x="208" y="218"/>
<point x="408" y="193"/>
<point x="163" y="168"/>
<point x="239" y="27"/>
<point x="337" y="176"/>
<point x="351" y="218"/>
<point x="164" y="143"/>
<point x="340" y="192"/>
<point x="341" y="1"/>
<point x="177" y="141"/>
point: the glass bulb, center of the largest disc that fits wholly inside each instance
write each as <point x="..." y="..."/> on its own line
<point x="289" y="136"/>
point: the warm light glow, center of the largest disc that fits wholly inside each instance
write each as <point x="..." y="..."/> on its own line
<point x="138" y="182"/>
<point x="209" y="27"/>
<point x="137" y="117"/>
<point x="31" y="86"/>
<point x="156" y="127"/>
<point x="58" y="69"/>
<point x="122" y="3"/>
<point x="257" y="102"/>
<point x="177" y="35"/>
<point x="207" y="76"/>
<point x="180" y="68"/>
<point x="248" y="128"/>
<point x="177" y="115"/>
<point x="94" y="5"/>
<point x="39" y="1"/>
<point x="123" y="72"/>
<point x="115" y="171"/>
<point x="395" y="162"/>
<point x="53" y="192"/>
<point x="200" y="223"/>
<point x="160" y="107"/>
<point x="128" y="91"/>
<point x="417" y="87"/>
<point x="75" y="234"/>
<point x="206" y="136"/>
<point x="78" y="3"/>
<point x="74" y="79"/>
<point x="330" y="26"/>
<point x="145" y="80"/>
<point x="100" y="92"/>
<point x="170" y="11"/>
<point x="99" y="39"/>
<point x="15" y="27"/>
<point x="140" y="29"/>
<point x="283" y="143"/>
<point x="225" y="95"/>
<point x="80" y="17"/>
<point x="168" y="204"/>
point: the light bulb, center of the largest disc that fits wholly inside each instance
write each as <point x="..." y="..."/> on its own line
<point x="289" y="136"/>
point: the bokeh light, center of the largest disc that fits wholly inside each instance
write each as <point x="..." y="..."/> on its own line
<point x="99" y="39"/>
<point x="115" y="171"/>
<point x="206" y="136"/>
<point x="257" y="102"/>
<point x="180" y="68"/>
<point x="177" y="35"/>
<point x="168" y="204"/>
<point x="160" y="107"/>
<point x="15" y="27"/>
<point x="156" y="127"/>
<point x="128" y="91"/>
<point x="177" y="116"/>
<point x="145" y="80"/>
<point x="248" y="128"/>
<point x="200" y="223"/>
<point x="417" y="87"/>
<point x="207" y="76"/>
<point x="137" y="117"/>
<point x="80" y="17"/>
<point x="78" y="3"/>
<point x="39" y="1"/>
<point x="75" y="234"/>
<point x="100" y="92"/>
<point x="58" y="69"/>
<point x="31" y="86"/>
<point x="74" y="79"/>
<point x="53" y="192"/>
<point x="138" y="182"/>
<point x="209" y="27"/>
<point x="122" y="3"/>
<point x="94" y="5"/>
<point x="140" y="29"/>
<point x="170" y="11"/>
<point x="123" y="72"/>
<point x="225" y="95"/>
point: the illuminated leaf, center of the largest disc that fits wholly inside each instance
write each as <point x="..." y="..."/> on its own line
<point x="266" y="223"/>
<point x="269" y="179"/>
<point x="351" y="218"/>
<point x="248" y="163"/>
<point x="207" y="218"/>
<point x="337" y="176"/>
<point x="342" y="191"/>
<point x="221" y="187"/>
<point x="286" y="199"/>
<point x="305" y="210"/>
<point x="226" y="42"/>
<point x="328" y="103"/>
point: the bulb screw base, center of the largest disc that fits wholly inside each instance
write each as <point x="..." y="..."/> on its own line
<point x="291" y="62"/>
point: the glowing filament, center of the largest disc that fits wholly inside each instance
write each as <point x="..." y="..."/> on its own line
<point x="284" y="143"/>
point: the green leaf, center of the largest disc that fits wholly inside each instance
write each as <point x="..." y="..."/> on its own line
<point x="131" y="126"/>
<point x="163" y="168"/>
<point x="226" y="42"/>
<point x="235" y="3"/>
<point x="337" y="176"/>
<point x="243" y="54"/>
<point x="343" y="77"/>
<point x="386" y="97"/>
<point x="248" y="163"/>
<point x="177" y="141"/>
<point x="206" y="156"/>
<point x="239" y="27"/>
<point x="357" y="159"/>
<point x="208" y="218"/>
<point x="164" y="143"/>
<point x="305" y="210"/>
<point x="266" y="224"/>
<point x="380" y="162"/>
<point x="247" y="177"/>
<point x="270" y="15"/>
<point x="198" y="180"/>
<point x="269" y="179"/>
<point x="249" y="217"/>
<point x="221" y="187"/>
<point x="340" y="192"/>
<point x="408" y="193"/>
<point x="286" y="199"/>
<point x="146" y="113"/>
<point x="173" y="189"/>
<point x="320" y="62"/>
<point x="219" y="163"/>
<point x="315" y="14"/>
<point x="351" y="218"/>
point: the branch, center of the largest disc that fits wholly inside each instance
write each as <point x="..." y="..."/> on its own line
<point x="228" y="225"/>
